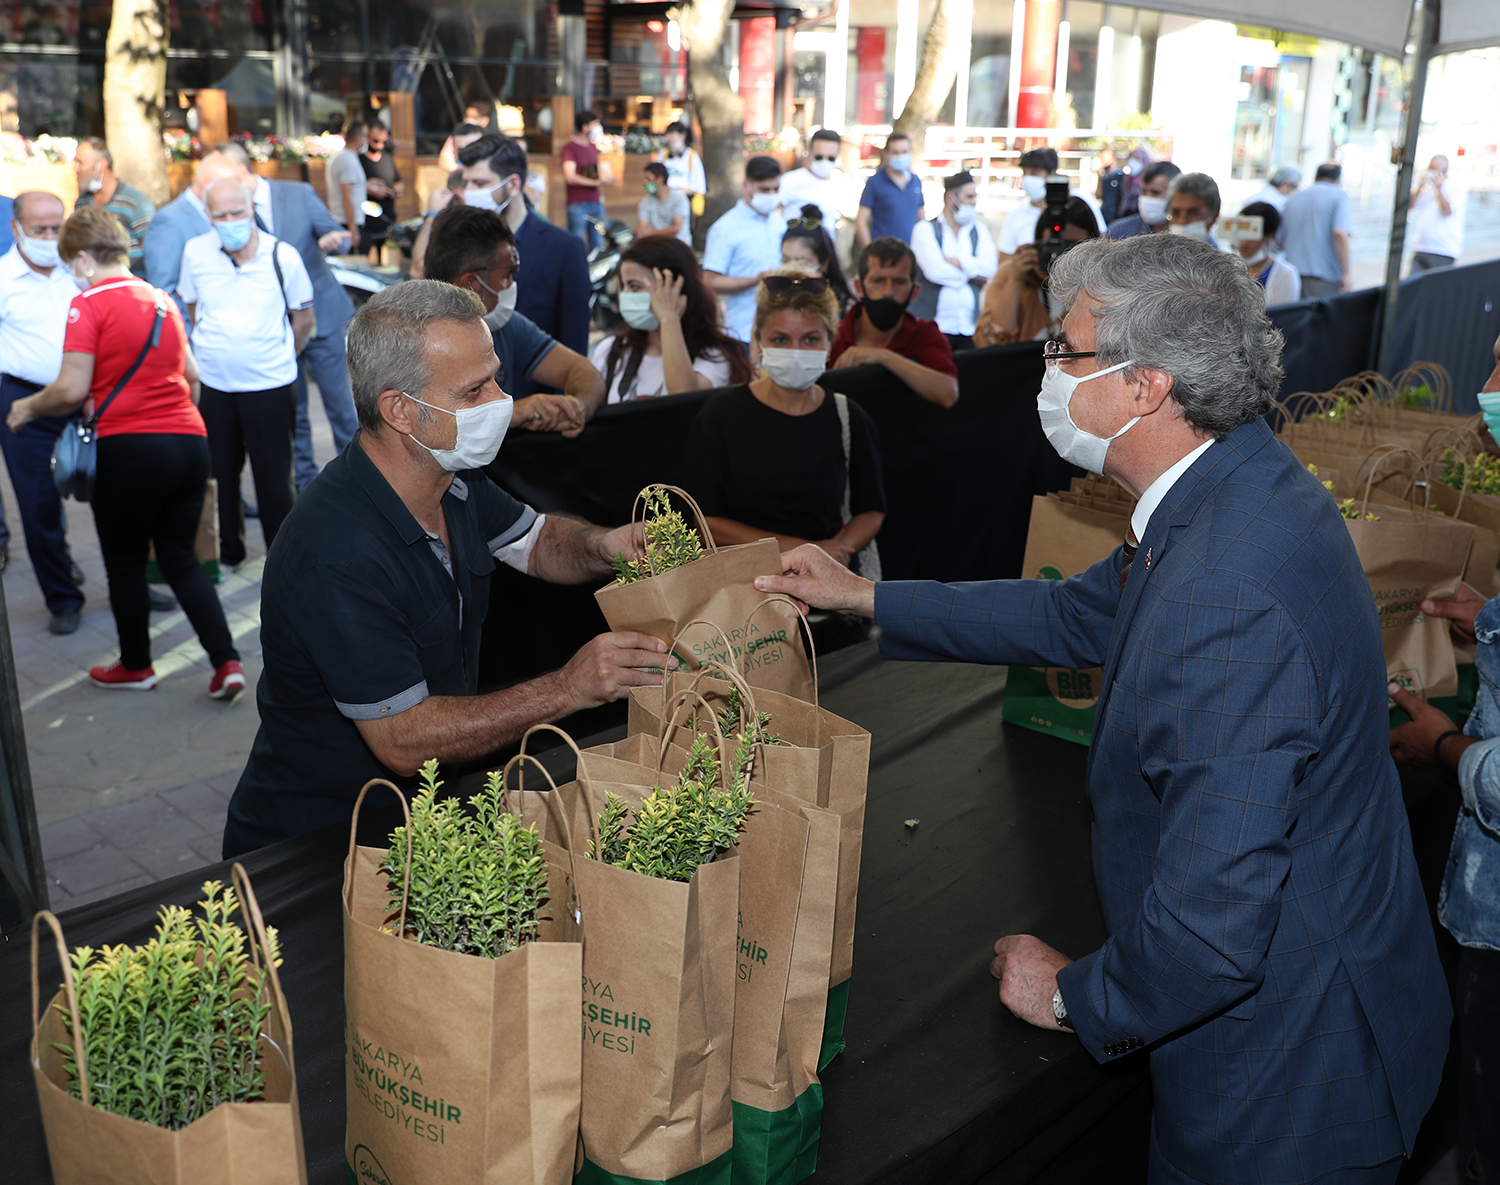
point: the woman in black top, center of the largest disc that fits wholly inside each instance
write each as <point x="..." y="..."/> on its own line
<point x="773" y="457"/>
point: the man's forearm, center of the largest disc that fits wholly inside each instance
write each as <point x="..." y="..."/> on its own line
<point x="464" y="728"/>
<point x="1341" y="249"/>
<point x="932" y="385"/>
<point x="569" y="551"/>
<point x="586" y="385"/>
<point x="723" y="285"/>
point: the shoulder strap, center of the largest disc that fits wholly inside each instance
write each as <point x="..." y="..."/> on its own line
<point x="841" y="405"/>
<point x="153" y="339"/>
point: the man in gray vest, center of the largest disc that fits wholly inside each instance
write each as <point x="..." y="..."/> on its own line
<point x="956" y="255"/>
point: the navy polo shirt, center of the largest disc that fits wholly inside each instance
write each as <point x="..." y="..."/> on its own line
<point x="893" y="210"/>
<point x="363" y="615"/>
<point x="520" y="346"/>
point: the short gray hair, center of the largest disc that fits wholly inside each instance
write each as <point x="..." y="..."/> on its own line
<point x="388" y="340"/>
<point x="232" y="150"/>
<point x="1199" y="185"/>
<point x="1173" y="304"/>
<point x="1286" y="175"/>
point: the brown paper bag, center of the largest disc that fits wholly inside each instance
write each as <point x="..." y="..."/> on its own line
<point x="825" y="760"/>
<point x="658" y="1007"/>
<point x="459" y="1070"/>
<point x="257" y="1143"/>
<point x="718" y="587"/>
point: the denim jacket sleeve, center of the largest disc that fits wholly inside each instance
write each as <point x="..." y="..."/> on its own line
<point x="1479" y="782"/>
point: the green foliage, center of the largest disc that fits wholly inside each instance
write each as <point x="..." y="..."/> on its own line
<point x="1346" y="507"/>
<point x="478" y="882"/>
<point x="676" y="830"/>
<point x="731" y="721"/>
<point x="670" y="542"/>
<point x="172" y="1029"/>
<point x="1423" y="396"/>
<point x="1483" y="470"/>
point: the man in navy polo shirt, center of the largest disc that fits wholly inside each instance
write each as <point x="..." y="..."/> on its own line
<point x="376" y="590"/>
<point x="891" y="205"/>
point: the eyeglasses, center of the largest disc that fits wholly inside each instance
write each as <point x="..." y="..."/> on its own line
<point x="1055" y="351"/>
<point x="781" y="285"/>
<point x="507" y="271"/>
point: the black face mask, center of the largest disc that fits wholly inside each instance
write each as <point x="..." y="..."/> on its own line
<point x="884" y="313"/>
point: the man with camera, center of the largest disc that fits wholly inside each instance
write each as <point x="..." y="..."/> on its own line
<point x="1017" y="305"/>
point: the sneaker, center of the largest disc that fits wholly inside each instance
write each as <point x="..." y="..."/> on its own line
<point x="117" y="677"/>
<point x="64" y="621"/>
<point x="228" y="681"/>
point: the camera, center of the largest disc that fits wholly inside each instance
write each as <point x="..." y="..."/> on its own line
<point x="1051" y="243"/>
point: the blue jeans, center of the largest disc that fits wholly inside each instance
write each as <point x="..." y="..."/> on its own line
<point x="328" y="361"/>
<point x="580" y="221"/>
<point x="28" y="455"/>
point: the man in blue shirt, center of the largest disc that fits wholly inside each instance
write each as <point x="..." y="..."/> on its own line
<point x="475" y="249"/>
<point x="744" y="244"/>
<point x="891" y="205"/>
<point x="1315" y="230"/>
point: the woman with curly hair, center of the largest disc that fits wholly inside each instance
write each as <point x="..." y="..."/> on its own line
<point x="672" y="340"/>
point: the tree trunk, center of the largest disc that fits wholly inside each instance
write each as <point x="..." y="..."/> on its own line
<point x="135" y="94"/>
<point x="721" y="111"/>
<point x="952" y="23"/>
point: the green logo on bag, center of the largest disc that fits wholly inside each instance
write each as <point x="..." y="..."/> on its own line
<point x="1048" y="572"/>
<point x="367" y="1170"/>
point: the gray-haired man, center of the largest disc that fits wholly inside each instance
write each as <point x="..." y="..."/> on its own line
<point x="375" y="593"/>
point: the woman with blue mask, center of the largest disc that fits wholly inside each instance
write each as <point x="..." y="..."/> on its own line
<point x="671" y="340"/>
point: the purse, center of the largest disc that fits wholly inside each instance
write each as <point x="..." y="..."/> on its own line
<point x="75" y="455"/>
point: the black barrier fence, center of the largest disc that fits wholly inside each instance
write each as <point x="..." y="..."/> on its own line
<point x="23" y="883"/>
<point x="959" y="484"/>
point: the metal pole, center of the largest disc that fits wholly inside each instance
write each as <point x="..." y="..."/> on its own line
<point x="292" y="110"/>
<point x="23" y="880"/>
<point x="1426" y="39"/>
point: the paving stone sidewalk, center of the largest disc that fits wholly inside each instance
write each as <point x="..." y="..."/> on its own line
<point x="130" y="787"/>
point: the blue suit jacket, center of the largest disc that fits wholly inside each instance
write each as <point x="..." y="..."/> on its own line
<point x="7" y="212"/>
<point x="299" y="219"/>
<point x="553" y="289"/>
<point x="1269" y="941"/>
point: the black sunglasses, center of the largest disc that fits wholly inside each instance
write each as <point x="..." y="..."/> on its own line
<point x="781" y="285"/>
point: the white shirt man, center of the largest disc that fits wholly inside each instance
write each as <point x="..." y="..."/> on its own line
<point x="345" y="180"/>
<point x="242" y="337"/>
<point x="956" y="253"/>
<point x="744" y="244"/>
<point x="820" y="183"/>
<point x="33" y="318"/>
<point x="684" y="166"/>
<point x="1438" y="209"/>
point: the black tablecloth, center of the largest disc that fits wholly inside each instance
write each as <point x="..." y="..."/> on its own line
<point x="938" y="1083"/>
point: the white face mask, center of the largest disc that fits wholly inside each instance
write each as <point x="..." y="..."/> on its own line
<point x="505" y="305"/>
<point x="1153" y="210"/>
<point x="484" y="199"/>
<point x="765" y="204"/>
<point x="794" y="370"/>
<point x="594" y="132"/>
<point x="963" y="215"/>
<point x="42" y="252"/>
<point x="1072" y="443"/>
<point x="480" y="431"/>
<point x="1192" y="230"/>
<point x="1258" y="257"/>
<point x="96" y="183"/>
<point x="821" y="169"/>
<point x="1035" y="187"/>
<point x="635" y="307"/>
<point x="85" y="280"/>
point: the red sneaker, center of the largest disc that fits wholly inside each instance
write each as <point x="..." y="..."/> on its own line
<point x="117" y="677"/>
<point x="228" y="682"/>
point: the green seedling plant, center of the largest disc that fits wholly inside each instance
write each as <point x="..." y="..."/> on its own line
<point x="1421" y="396"/>
<point x="675" y="830"/>
<point x="758" y="733"/>
<point x="1483" y="472"/>
<point x="670" y="542"/>
<point x="171" y="1029"/>
<point x="478" y="882"/>
<point x="1347" y="507"/>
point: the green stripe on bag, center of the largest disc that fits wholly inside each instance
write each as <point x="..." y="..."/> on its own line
<point x="833" y="1024"/>
<point x="778" y="1147"/>
<point x="715" y="1172"/>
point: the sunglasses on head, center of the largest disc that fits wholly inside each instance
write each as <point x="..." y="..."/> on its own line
<point x="810" y="222"/>
<point x="781" y="285"/>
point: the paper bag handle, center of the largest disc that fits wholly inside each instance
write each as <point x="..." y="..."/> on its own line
<point x="554" y="808"/>
<point x="812" y="647"/>
<point x="353" y="836"/>
<point x="640" y="500"/>
<point x="669" y="718"/>
<point x="46" y="915"/>
<point x="1385" y="451"/>
<point x="260" y="944"/>
<point x="582" y="779"/>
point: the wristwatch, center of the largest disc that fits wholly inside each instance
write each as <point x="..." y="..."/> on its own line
<point x="1060" y="1011"/>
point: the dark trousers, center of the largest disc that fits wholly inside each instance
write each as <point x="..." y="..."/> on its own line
<point x="1315" y="287"/>
<point x="258" y="423"/>
<point x="28" y="456"/>
<point x="1477" y="1003"/>
<point x="958" y="341"/>
<point x="326" y="361"/>
<point x="150" y="489"/>
<point x="1427" y="261"/>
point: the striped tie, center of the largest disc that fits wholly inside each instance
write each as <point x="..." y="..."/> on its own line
<point x="1127" y="554"/>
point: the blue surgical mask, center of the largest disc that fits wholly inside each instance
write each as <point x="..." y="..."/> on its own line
<point x="901" y="163"/>
<point x="234" y="235"/>
<point x="635" y="307"/>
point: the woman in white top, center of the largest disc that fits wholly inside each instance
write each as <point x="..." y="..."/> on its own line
<point x="672" y="340"/>
<point x="1280" y="281"/>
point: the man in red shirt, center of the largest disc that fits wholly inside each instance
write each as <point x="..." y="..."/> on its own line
<point x="878" y="331"/>
<point x="585" y="177"/>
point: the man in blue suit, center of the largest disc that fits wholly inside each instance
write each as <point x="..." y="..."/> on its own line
<point x="1269" y="943"/>
<point x="293" y="212"/>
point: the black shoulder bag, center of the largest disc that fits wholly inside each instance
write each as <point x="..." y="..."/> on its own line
<point x="75" y="456"/>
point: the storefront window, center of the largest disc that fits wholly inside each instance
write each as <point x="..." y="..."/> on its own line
<point x="55" y="95"/>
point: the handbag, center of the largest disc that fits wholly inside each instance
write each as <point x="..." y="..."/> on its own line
<point x="75" y="455"/>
